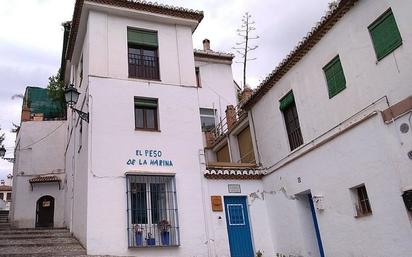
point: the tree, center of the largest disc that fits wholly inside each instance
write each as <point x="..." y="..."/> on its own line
<point x="56" y="90"/>
<point x="244" y="47"/>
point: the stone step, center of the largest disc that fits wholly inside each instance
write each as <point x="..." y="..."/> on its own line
<point x="36" y="242"/>
<point x="33" y="236"/>
<point x="14" y="231"/>
<point x="60" y="250"/>
<point x="73" y="253"/>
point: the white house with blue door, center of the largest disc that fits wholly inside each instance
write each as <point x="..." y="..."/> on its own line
<point x="160" y="159"/>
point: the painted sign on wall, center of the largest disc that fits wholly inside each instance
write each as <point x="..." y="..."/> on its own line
<point x="148" y="157"/>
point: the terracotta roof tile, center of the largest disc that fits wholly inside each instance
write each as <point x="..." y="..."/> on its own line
<point x="213" y="55"/>
<point x="5" y="188"/>
<point x="45" y="179"/>
<point x="233" y="173"/>
<point x="303" y="47"/>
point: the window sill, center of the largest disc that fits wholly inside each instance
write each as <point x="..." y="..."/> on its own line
<point x="153" y="246"/>
<point x="357" y="216"/>
<point x="144" y="79"/>
<point x="148" y="130"/>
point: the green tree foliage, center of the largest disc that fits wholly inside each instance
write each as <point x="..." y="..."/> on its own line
<point x="56" y="91"/>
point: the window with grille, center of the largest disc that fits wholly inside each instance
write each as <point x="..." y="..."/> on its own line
<point x="1" y="196"/>
<point x="143" y="54"/>
<point x="152" y="211"/>
<point x="8" y="197"/>
<point x="362" y="204"/>
<point x="290" y="114"/>
<point x="335" y="78"/>
<point x="385" y="35"/>
<point x="207" y="118"/>
<point x="145" y="111"/>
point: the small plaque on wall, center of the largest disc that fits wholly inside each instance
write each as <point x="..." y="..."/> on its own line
<point x="234" y="188"/>
<point x="216" y="203"/>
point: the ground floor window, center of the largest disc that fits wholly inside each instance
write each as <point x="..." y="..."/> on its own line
<point x="152" y="211"/>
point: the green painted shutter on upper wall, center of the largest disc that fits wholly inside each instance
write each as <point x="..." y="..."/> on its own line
<point x="286" y="101"/>
<point x="148" y="103"/>
<point x="335" y="77"/>
<point x="385" y="35"/>
<point x="142" y="37"/>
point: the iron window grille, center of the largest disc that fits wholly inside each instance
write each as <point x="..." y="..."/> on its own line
<point x="152" y="211"/>
<point x="8" y="197"/>
<point x="363" y="207"/>
<point x="143" y="54"/>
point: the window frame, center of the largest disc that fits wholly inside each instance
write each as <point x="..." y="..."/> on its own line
<point x="141" y="47"/>
<point x="361" y="201"/>
<point x="295" y="141"/>
<point x="214" y="116"/>
<point x="169" y="212"/>
<point x="155" y="114"/>
<point x="335" y="89"/>
<point x="378" y="21"/>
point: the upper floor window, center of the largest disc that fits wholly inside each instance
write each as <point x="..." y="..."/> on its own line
<point x="247" y="154"/>
<point x="8" y="197"/>
<point x="197" y="72"/>
<point x="290" y="114"/>
<point x="222" y="155"/>
<point x="145" y="111"/>
<point x="335" y="77"/>
<point x="385" y="35"/>
<point x="143" y="54"/>
<point x="362" y="204"/>
<point x="207" y="118"/>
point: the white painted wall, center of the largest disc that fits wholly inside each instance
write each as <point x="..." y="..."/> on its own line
<point x="39" y="151"/>
<point x="372" y="153"/>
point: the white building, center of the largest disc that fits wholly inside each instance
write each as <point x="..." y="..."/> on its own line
<point x="5" y="193"/>
<point x="134" y="182"/>
<point x="315" y="162"/>
<point x="332" y="138"/>
<point x="38" y="171"/>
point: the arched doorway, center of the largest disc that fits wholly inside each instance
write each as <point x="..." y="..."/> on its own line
<point x="45" y="211"/>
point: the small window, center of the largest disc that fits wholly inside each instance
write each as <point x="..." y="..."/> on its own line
<point x="152" y="211"/>
<point x="207" y="118"/>
<point x="143" y="54"/>
<point x="244" y="139"/>
<point x="385" y="35"/>
<point x="1" y="196"/>
<point x="335" y="77"/>
<point x="145" y="111"/>
<point x="362" y="204"/>
<point x="290" y="114"/>
<point x="222" y="155"/>
<point x="81" y="71"/>
<point x="8" y="197"/>
<point x="197" y="72"/>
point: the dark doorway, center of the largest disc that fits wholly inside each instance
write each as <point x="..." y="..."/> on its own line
<point x="45" y="212"/>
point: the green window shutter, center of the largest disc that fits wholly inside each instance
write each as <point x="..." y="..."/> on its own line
<point x="385" y="35"/>
<point x="142" y="37"/>
<point x="286" y="101"/>
<point x="335" y="77"/>
<point x="145" y="103"/>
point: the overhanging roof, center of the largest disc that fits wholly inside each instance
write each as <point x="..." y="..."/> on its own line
<point x="303" y="47"/>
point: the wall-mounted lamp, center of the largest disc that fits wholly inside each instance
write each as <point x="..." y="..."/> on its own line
<point x="72" y="96"/>
<point x="3" y="153"/>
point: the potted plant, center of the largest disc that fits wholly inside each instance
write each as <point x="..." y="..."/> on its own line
<point x="164" y="227"/>
<point x="150" y="240"/>
<point x="138" y="232"/>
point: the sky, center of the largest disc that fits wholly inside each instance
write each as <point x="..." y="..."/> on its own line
<point x="31" y="39"/>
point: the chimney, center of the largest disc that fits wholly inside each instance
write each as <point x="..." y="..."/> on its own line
<point x="246" y="94"/>
<point x="230" y="116"/>
<point x="206" y="44"/>
<point x="25" y="113"/>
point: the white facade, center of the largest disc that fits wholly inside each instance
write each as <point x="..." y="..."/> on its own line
<point x="338" y="154"/>
<point x="40" y="147"/>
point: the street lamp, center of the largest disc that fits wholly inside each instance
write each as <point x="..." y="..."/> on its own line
<point x="71" y="96"/>
<point x="2" y="151"/>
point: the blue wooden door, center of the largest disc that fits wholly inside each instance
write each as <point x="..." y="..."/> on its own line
<point x="238" y="227"/>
